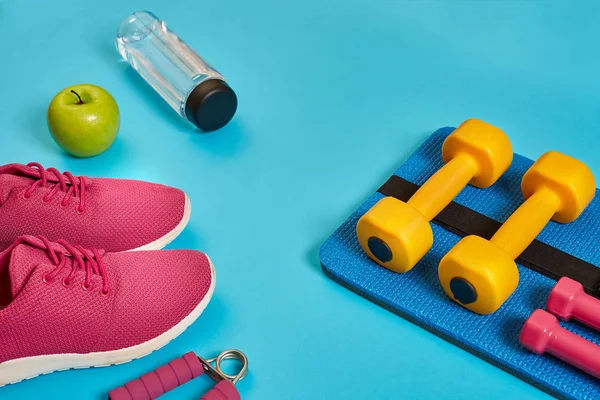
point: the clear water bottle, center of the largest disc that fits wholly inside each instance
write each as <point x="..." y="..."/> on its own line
<point x="191" y="87"/>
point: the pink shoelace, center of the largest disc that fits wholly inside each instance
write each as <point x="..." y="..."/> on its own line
<point x="88" y="260"/>
<point x="72" y="185"/>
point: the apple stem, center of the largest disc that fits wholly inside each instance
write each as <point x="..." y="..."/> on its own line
<point x="79" y="97"/>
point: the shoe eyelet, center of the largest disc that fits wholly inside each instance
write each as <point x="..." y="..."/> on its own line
<point x="26" y="196"/>
<point x="67" y="284"/>
<point x="45" y="200"/>
<point x="85" y="287"/>
<point x="103" y="293"/>
<point x="46" y="280"/>
<point x="80" y="212"/>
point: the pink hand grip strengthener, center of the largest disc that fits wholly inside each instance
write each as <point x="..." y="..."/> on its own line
<point x="568" y="300"/>
<point x="180" y="371"/>
<point x="542" y="334"/>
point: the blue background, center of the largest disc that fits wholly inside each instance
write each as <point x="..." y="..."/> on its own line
<point x="334" y="95"/>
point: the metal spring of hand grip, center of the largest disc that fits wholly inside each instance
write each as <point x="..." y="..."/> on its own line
<point x="180" y="371"/>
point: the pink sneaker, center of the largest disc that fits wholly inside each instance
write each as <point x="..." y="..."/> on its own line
<point x="112" y="214"/>
<point x="64" y="306"/>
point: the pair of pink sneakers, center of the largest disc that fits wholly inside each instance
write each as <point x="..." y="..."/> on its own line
<point x="72" y="293"/>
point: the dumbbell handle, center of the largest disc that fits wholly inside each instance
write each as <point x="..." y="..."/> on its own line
<point x="522" y="227"/>
<point x="542" y="333"/>
<point x="587" y="310"/>
<point x="168" y="377"/>
<point x="443" y="186"/>
<point x="568" y="300"/>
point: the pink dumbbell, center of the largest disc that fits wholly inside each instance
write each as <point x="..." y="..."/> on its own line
<point x="542" y="334"/>
<point x="568" y="300"/>
<point x="180" y="371"/>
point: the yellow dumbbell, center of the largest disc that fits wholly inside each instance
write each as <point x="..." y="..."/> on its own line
<point x="396" y="234"/>
<point x="480" y="274"/>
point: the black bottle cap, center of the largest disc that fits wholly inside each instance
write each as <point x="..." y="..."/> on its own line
<point x="211" y="105"/>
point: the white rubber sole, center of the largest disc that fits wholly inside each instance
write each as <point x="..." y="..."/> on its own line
<point x="169" y="237"/>
<point x="14" y="371"/>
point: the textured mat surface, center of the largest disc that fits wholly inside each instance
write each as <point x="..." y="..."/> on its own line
<point x="418" y="296"/>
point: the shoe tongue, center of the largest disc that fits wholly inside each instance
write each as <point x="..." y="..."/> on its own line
<point x="18" y="175"/>
<point x="10" y="182"/>
<point x="24" y="258"/>
<point x="15" y="175"/>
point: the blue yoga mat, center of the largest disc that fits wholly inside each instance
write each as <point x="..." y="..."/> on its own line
<point x="419" y="297"/>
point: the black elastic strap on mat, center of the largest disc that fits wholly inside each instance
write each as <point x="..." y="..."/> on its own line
<point x="539" y="256"/>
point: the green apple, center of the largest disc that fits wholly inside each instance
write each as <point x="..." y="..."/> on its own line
<point x="84" y="120"/>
